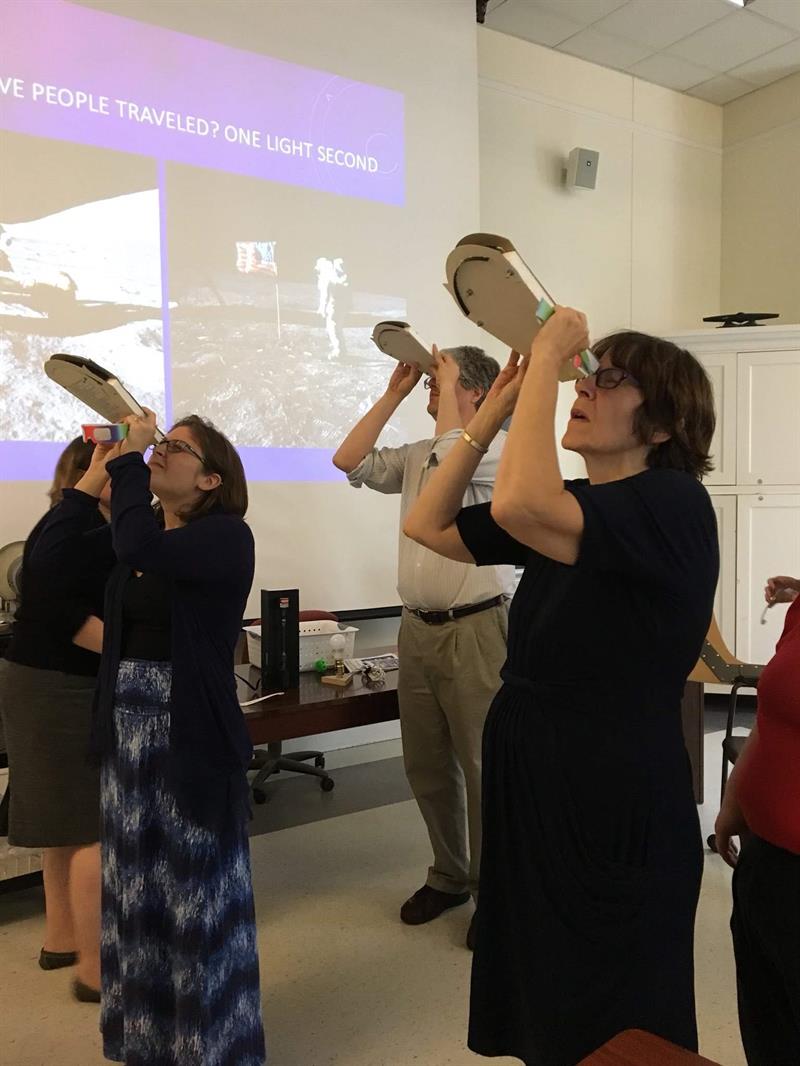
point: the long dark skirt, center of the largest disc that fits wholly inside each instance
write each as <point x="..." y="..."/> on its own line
<point x="179" y="960"/>
<point x="590" y="876"/>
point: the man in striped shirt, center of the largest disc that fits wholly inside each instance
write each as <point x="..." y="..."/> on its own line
<point x="453" y="631"/>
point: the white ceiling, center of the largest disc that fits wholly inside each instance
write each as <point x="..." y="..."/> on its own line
<point x="706" y="48"/>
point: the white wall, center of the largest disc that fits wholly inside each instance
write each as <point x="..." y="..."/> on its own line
<point x="642" y="250"/>
<point x="761" y="201"/>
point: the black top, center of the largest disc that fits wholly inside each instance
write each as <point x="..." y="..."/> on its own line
<point x="55" y="602"/>
<point x="209" y="566"/>
<point x="147" y="619"/>
<point x="631" y="615"/>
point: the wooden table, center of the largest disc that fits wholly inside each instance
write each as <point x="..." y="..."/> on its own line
<point x="636" y="1048"/>
<point x="316" y="708"/>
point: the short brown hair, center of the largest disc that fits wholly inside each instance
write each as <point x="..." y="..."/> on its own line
<point x="220" y="458"/>
<point x="678" y="399"/>
<point x="71" y="466"/>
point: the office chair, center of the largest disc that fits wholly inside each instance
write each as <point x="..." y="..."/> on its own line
<point x="717" y="665"/>
<point x="271" y="760"/>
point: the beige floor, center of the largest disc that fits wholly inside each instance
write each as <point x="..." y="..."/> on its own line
<point x="344" y="982"/>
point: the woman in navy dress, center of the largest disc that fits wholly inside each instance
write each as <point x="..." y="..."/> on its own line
<point x="592" y="855"/>
<point x="179" y="963"/>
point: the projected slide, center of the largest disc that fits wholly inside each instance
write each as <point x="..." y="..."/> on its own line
<point x="81" y="273"/>
<point x="208" y="223"/>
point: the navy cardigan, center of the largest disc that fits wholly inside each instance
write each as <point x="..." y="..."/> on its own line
<point x="56" y="600"/>
<point x="209" y="564"/>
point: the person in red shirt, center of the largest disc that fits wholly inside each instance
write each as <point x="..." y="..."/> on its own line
<point x="762" y="806"/>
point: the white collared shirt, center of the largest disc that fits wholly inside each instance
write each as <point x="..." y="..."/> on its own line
<point x="427" y="581"/>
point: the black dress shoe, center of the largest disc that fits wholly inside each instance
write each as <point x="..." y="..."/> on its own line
<point x="85" y="993"/>
<point x="57" y="960"/>
<point x="471" y="933"/>
<point x="428" y="903"/>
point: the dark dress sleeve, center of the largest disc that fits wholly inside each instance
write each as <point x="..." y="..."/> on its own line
<point x="214" y="548"/>
<point x="487" y="542"/>
<point x="654" y="527"/>
<point x="53" y="594"/>
<point x="72" y="527"/>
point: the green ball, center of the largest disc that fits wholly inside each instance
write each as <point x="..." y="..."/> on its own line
<point x="320" y="666"/>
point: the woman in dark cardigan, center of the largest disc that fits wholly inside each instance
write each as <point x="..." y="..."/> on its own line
<point x="179" y="961"/>
<point x="47" y="682"/>
<point x="592" y="853"/>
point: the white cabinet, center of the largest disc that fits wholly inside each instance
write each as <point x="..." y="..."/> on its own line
<point x="725" y="599"/>
<point x="755" y="486"/>
<point x="768" y="543"/>
<point x="722" y="369"/>
<point x="768" y="420"/>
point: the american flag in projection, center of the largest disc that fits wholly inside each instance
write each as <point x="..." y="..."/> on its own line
<point x="256" y="257"/>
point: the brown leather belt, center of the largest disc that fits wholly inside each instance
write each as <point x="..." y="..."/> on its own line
<point x="438" y="618"/>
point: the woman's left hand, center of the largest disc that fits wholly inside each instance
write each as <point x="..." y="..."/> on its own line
<point x="447" y="370"/>
<point x="141" y="432"/>
<point x="562" y="337"/>
<point x="95" y="478"/>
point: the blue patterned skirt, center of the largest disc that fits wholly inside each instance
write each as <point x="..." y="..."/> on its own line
<point x="179" y="958"/>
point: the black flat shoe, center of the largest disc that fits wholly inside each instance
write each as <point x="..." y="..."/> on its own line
<point x="428" y="903"/>
<point x="83" y="993"/>
<point x="57" y="960"/>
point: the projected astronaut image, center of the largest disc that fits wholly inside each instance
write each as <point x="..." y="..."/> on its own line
<point x="273" y="302"/>
<point x="79" y="272"/>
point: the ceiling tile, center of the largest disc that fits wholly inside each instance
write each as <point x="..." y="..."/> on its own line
<point x="604" y="49"/>
<point x="721" y="90"/>
<point x="670" y="71"/>
<point x="787" y="12"/>
<point x="521" y="19"/>
<point x="661" y="24"/>
<point x="773" y="66"/>
<point x="731" y="41"/>
<point x="581" y="11"/>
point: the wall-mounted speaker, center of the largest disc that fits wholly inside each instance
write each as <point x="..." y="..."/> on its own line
<point x="582" y="168"/>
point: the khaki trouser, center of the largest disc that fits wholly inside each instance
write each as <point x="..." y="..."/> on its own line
<point x="448" y="677"/>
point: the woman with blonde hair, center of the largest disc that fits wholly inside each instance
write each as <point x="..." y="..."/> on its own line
<point x="47" y="683"/>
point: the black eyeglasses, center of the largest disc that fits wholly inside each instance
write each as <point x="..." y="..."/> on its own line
<point x="610" y="377"/>
<point x="174" y="447"/>
<point x="429" y="383"/>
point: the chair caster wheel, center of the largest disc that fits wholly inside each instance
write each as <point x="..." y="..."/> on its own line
<point x="327" y="784"/>
<point x="319" y="762"/>
<point x="712" y="843"/>
<point x="259" y="796"/>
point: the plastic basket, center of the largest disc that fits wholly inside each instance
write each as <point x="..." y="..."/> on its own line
<point x="315" y="642"/>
